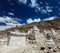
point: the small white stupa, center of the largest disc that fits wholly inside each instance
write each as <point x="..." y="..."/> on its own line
<point x="34" y="32"/>
<point x="50" y="43"/>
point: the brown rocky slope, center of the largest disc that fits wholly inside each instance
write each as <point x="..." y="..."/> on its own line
<point x="55" y="24"/>
<point x="41" y="25"/>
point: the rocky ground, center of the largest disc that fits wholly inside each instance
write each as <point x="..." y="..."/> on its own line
<point x="31" y="48"/>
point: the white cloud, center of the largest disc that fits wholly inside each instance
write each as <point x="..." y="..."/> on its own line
<point x="37" y="20"/>
<point x="59" y="2"/>
<point x="34" y="3"/>
<point x="10" y="22"/>
<point x="59" y="9"/>
<point x="2" y="19"/>
<point x="30" y="20"/>
<point x="44" y="10"/>
<point x="22" y="1"/>
<point x="50" y="18"/>
<point x="41" y="2"/>
<point x="2" y="28"/>
<point x="48" y="9"/>
<point x="10" y="13"/>
<point x="38" y="8"/>
<point x="7" y="19"/>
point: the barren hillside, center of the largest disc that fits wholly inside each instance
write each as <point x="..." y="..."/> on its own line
<point x="41" y="25"/>
<point x="55" y="24"/>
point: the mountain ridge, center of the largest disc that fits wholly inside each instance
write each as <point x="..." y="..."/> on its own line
<point x="41" y="25"/>
<point x="55" y="24"/>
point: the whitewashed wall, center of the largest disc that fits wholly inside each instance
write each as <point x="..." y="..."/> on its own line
<point x="17" y="41"/>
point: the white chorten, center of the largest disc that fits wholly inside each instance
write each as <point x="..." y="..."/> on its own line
<point x="49" y="43"/>
<point x="34" y="32"/>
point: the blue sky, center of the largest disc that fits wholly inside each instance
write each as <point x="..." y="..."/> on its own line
<point x="27" y="11"/>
